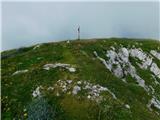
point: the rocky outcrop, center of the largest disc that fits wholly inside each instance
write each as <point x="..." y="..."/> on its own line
<point x="120" y="65"/>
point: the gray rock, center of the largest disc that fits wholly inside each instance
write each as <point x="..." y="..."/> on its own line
<point x="76" y="89"/>
<point x="19" y="72"/>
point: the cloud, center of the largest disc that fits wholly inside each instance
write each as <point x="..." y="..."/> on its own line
<point x="27" y="23"/>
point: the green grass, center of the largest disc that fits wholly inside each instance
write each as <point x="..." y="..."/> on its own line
<point x="17" y="90"/>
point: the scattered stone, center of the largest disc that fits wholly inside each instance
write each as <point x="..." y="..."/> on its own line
<point x="69" y="81"/>
<point x="50" y="88"/>
<point x="93" y="92"/>
<point x="37" y="92"/>
<point x="88" y="96"/>
<point x="124" y="80"/>
<point x="65" y="66"/>
<point x="68" y="41"/>
<point x="39" y="58"/>
<point x="79" y="82"/>
<point x="37" y="46"/>
<point x="19" y="72"/>
<point x="76" y="89"/>
<point x="112" y="48"/>
<point x="127" y="106"/>
<point x="71" y="69"/>
<point x="57" y="94"/>
<point x="48" y="66"/>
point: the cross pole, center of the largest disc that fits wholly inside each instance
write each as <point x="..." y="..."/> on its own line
<point x="79" y="33"/>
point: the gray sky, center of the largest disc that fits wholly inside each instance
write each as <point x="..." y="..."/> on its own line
<point x="28" y="23"/>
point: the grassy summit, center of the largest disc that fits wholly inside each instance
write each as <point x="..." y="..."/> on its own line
<point x="59" y="93"/>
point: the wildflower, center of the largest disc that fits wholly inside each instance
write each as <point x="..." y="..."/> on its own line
<point x="25" y="114"/>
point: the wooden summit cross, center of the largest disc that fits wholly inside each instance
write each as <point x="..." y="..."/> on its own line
<point x="79" y="33"/>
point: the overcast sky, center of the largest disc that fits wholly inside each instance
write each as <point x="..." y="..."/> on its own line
<point x="28" y="23"/>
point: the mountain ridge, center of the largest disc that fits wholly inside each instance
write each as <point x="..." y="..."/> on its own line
<point x="106" y="79"/>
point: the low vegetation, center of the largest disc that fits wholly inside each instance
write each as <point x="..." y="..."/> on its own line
<point x="80" y="87"/>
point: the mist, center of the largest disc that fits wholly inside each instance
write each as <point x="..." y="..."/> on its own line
<point x="29" y="23"/>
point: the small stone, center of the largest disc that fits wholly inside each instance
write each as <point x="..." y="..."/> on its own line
<point x="68" y="41"/>
<point x="36" y="46"/>
<point x="57" y="94"/>
<point x="76" y="89"/>
<point x="72" y="69"/>
<point x="127" y="106"/>
<point x="88" y="96"/>
<point x="19" y="72"/>
<point x="50" y="88"/>
<point x="37" y="92"/>
<point x="79" y="82"/>
<point x="69" y="81"/>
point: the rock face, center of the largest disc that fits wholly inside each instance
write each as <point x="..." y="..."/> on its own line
<point x="147" y="62"/>
<point x="123" y="54"/>
<point x="154" y="102"/>
<point x="155" y="54"/>
<point x="118" y="71"/>
<point x="120" y="65"/>
<point x="138" y="53"/>
<point x="154" y="68"/>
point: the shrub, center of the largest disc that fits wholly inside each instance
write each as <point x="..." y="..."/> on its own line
<point x="39" y="109"/>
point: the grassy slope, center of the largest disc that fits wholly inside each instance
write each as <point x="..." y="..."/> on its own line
<point x="17" y="90"/>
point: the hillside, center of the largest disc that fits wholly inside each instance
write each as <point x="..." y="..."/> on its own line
<point x="100" y="79"/>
